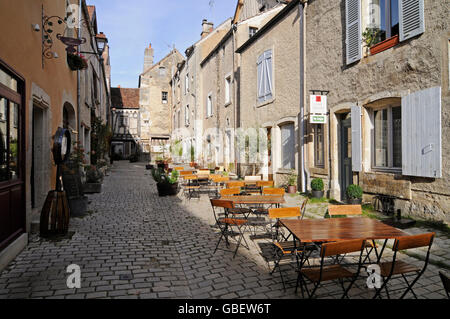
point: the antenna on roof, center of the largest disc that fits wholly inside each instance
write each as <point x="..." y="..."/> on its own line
<point x="211" y="4"/>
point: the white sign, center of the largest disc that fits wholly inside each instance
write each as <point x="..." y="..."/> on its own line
<point x="318" y="119"/>
<point x="318" y="104"/>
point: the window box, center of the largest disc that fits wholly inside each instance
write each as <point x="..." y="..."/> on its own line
<point x="384" y="45"/>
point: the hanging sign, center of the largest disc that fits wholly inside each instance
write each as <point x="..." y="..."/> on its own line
<point x="318" y="104"/>
<point x="318" y="119"/>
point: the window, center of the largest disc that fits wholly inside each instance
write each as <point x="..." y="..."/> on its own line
<point x="287" y="146"/>
<point x="164" y="97"/>
<point x="186" y="87"/>
<point x="388" y="138"/>
<point x="123" y="120"/>
<point x="384" y="18"/>
<point x="252" y="31"/>
<point x="319" y="146"/>
<point x="209" y="106"/>
<point x="179" y="118"/>
<point x="228" y="90"/>
<point x="186" y="115"/>
<point x="265" y="80"/>
<point x="162" y="71"/>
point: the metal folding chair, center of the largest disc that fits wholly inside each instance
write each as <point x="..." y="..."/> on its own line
<point x="398" y="267"/>
<point x="226" y="221"/>
<point x="261" y="210"/>
<point x="191" y="187"/>
<point x="331" y="272"/>
<point x="282" y="245"/>
<point x="445" y="282"/>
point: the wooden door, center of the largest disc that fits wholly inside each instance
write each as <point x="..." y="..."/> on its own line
<point x="345" y="148"/>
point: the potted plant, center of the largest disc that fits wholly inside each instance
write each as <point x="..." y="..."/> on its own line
<point x="166" y="183"/>
<point x="192" y="164"/>
<point x="292" y="182"/>
<point x="76" y="62"/>
<point x="354" y="194"/>
<point x="317" y="187"/>
<point x="93" y="180"/>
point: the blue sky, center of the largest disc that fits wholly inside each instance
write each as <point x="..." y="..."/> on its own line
<point x="131" y="25"/>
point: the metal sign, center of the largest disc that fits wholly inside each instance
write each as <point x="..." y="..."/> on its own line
<point x="318" y="104"/>
<point x="318" y="119"/>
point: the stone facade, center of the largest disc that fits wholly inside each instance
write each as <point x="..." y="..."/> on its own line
<point x="155" y="104"/>
<point x="373" y="82"/>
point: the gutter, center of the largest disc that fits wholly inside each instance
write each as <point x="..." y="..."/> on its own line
<point x="303" y="167"/>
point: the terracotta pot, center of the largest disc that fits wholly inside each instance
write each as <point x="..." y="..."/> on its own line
<point x="384" y="45"/>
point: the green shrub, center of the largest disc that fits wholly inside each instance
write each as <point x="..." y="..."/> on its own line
<point x="354" y="191"/>
<point x="317" y="184"/>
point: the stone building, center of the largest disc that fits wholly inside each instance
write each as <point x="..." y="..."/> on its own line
<point x="224" y="83"/>
<point x="125" y="122"/>
<point x="388" y="102"/>
<point x="269" y="92"/>
<point x="156" y="102"/>
<point x="94" y="94"/>
<point x="39" y="92"/>
<point x="187" y="113"/>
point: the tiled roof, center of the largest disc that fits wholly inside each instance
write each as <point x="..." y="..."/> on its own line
<point x="122" y="98"/>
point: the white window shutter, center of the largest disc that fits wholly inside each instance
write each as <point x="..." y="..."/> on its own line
<point x="356" y="139"/>
<point x="268" y="75"/>
<point x="412" y="18"/>
<point x="260" y="78"/>
<point x="421" y="134"/>
<point x="353" y="30"/>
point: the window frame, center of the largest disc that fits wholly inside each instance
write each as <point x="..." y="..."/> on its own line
<point x="186" y="115"/>
<point x="227" y="90"/>
<point x="252" y="31"/>
<point x="390" y="140"/>
<point x="319" y="163"/>
<point x="166" y="100"/>
<point x="209" y="105"/>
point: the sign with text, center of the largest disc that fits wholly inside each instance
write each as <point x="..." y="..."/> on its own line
<point x="318" y="104"/>
<point x="318" y="119"/>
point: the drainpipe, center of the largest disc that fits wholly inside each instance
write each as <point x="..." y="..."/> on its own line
<point x="303" y="167"/>
<point x="79" y="74"/>
<point x="235" y="102"/>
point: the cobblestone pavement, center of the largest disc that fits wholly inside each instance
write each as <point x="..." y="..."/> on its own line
<point x="134" y="244"/>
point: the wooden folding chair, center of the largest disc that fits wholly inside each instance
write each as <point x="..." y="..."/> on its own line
<point x="351" y="210"/>
<point x="283" y="247"/>
<point x="445" y="282"/>
<point x="217" y="182"/>
<point x="268" y="191"/>
<point x="226" y="223"/>
<point x="331" y="272"/>
<point x="262" y="184"/>
<point x="191" y="187"/>
<point x="235" y="192"/>
<point x="235" y="184"/>
<point x="398" y="267"/>
<point x="274" y="191"/>
<point x="179" y="168"/>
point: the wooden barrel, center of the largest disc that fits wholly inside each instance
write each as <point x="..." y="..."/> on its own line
<point x="55" y="215"/>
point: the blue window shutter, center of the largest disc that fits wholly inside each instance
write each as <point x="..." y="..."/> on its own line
<point x="412" y="18"/>
<point x="356" y="139"/>
<point x="353" y="30"/>
<point x="260" y="78"/>
<point x="421" y="134"/>
<point x="268" y="75"/>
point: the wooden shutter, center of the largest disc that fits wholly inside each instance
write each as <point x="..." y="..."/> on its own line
<point x="356" y="139"/>
<point x="260" y="79"/>
<point x="412" y="20"/>
<point x="421" y="134"/>
<point x="353" y="30"/>
<point x="268" y="75"/>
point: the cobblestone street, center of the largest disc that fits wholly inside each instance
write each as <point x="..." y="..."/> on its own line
<point x="134" y="244"/>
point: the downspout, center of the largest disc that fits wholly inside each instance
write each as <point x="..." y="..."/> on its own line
<point x="235" y="103"/>
<point x="303" y="167"/>
<point x="79" y="76"/>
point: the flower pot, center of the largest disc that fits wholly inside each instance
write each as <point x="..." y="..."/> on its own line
<point x="384" y="45"/>
<point x="354" y="201"/>
<point x="166" y="189"/>
<point x="92" y="188"/>
<point x="317" y="194"/>
<point x="292" y="189"/>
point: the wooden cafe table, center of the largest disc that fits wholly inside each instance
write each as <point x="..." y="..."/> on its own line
<point x="336" y="229"/>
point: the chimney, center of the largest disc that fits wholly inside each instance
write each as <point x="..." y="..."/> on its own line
<point x="207" y="28"/>
<point x="148" y="57"/>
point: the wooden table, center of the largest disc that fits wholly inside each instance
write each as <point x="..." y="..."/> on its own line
<point x="336" y="229"/>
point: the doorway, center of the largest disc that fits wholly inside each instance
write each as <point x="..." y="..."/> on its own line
<point x="39" y="159"/>
<point x="345" y="154"/>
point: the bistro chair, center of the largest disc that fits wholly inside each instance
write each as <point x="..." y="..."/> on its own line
<point x="184" y="173"/>
<point x="284" y="248"/>
<point x="445" y="282"/>
<point x="331" y="272"/>
<point x="230" y="192"/>
<point x="179" y="168"/>
<point x="226" y="221"/>
<point x="262" y="184"/>
<point x="351" y="210"/>
<point x="274" y="191"/>
<point x="191" y="187"/>
<point x="252" y="188"/>
<point x="235" y="184"/>
<point x="217" y="182"/>
<point x="398" y="267"/>
<point x="236" y="210"/>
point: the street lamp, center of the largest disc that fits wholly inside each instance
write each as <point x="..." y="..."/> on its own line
<point x="101" y="42"/>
